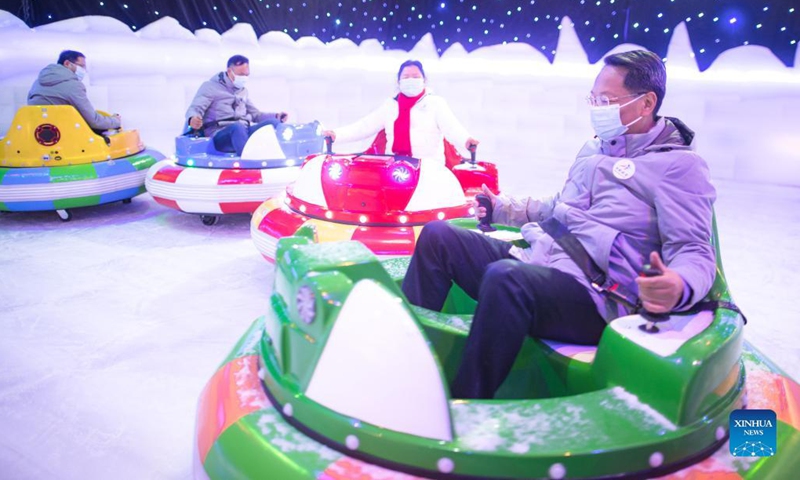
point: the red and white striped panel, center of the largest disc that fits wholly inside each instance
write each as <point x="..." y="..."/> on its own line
<point x="215" y="191"/>
<point x="273" y="221"/>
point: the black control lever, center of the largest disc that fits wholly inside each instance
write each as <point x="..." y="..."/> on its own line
<point x="329" y="145"/>
<point x="652" y="318"/>
<point x="485" y="222"/>
<point x="472" y="151"/>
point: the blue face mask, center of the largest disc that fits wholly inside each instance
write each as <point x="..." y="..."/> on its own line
<point x="607" y="122"/>
<point x="239" y="81"/>
<point x="80" y="72"/>
<point x="411" y="87"/>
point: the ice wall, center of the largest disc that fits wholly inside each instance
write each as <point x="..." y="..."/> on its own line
<point x="745" y="108"/>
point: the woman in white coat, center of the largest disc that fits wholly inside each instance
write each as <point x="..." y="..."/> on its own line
<point x="416" y="124"/>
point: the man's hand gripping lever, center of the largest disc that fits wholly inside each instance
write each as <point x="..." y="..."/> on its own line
<point x="652" y="318"/>
<point x="485" y="222"/>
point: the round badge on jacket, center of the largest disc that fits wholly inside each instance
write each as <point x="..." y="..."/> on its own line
<point x="624" y="169"/>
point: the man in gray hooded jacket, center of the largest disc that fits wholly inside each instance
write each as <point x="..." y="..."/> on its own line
<point x="60" y="84"/>
<point x="221" y="108"/>
<point x="636" y="194"/>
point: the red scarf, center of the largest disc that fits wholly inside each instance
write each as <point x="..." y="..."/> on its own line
<point x="402" y="126"/>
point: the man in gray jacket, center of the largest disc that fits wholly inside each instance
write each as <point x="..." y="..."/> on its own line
<point x="60" y="84"/>
<point x="221" y="108"/>
<point x="636" y="194"/>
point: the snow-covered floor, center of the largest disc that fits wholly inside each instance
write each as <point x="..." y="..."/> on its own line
<point x="112" y="323"/>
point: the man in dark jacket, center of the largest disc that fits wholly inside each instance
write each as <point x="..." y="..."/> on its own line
<point x="60" y="84"/>
<point x="222" y="109"/>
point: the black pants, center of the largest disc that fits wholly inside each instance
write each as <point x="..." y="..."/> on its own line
<point x="515" y="299"/>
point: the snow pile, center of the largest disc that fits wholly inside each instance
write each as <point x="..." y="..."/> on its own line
<point x="743" y="108"/>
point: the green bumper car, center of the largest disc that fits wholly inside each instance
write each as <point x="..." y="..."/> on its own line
<point x="343" y="379"/>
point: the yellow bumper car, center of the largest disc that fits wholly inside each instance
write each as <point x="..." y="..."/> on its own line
<point x="50" y="159"/>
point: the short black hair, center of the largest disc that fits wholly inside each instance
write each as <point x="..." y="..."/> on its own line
<point x="237" y="60"/>
<point x="69" y="55"/>
<point x="644" y="72"/>
<point x="411" y="63"/>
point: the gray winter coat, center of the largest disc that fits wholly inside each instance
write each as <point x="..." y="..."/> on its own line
<point x="623" y="199"/>
<point x="219" y="100"/>
<point x="58" y="85"/>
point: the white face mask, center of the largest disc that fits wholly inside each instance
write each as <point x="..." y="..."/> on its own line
<point x="411" y="87"/>
<point x="607" y="122"/>
<point x="80" y="72"/>
<point x="239" y="81"/>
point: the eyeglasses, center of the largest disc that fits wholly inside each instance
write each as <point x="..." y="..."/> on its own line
<point x="604" y="101"/>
